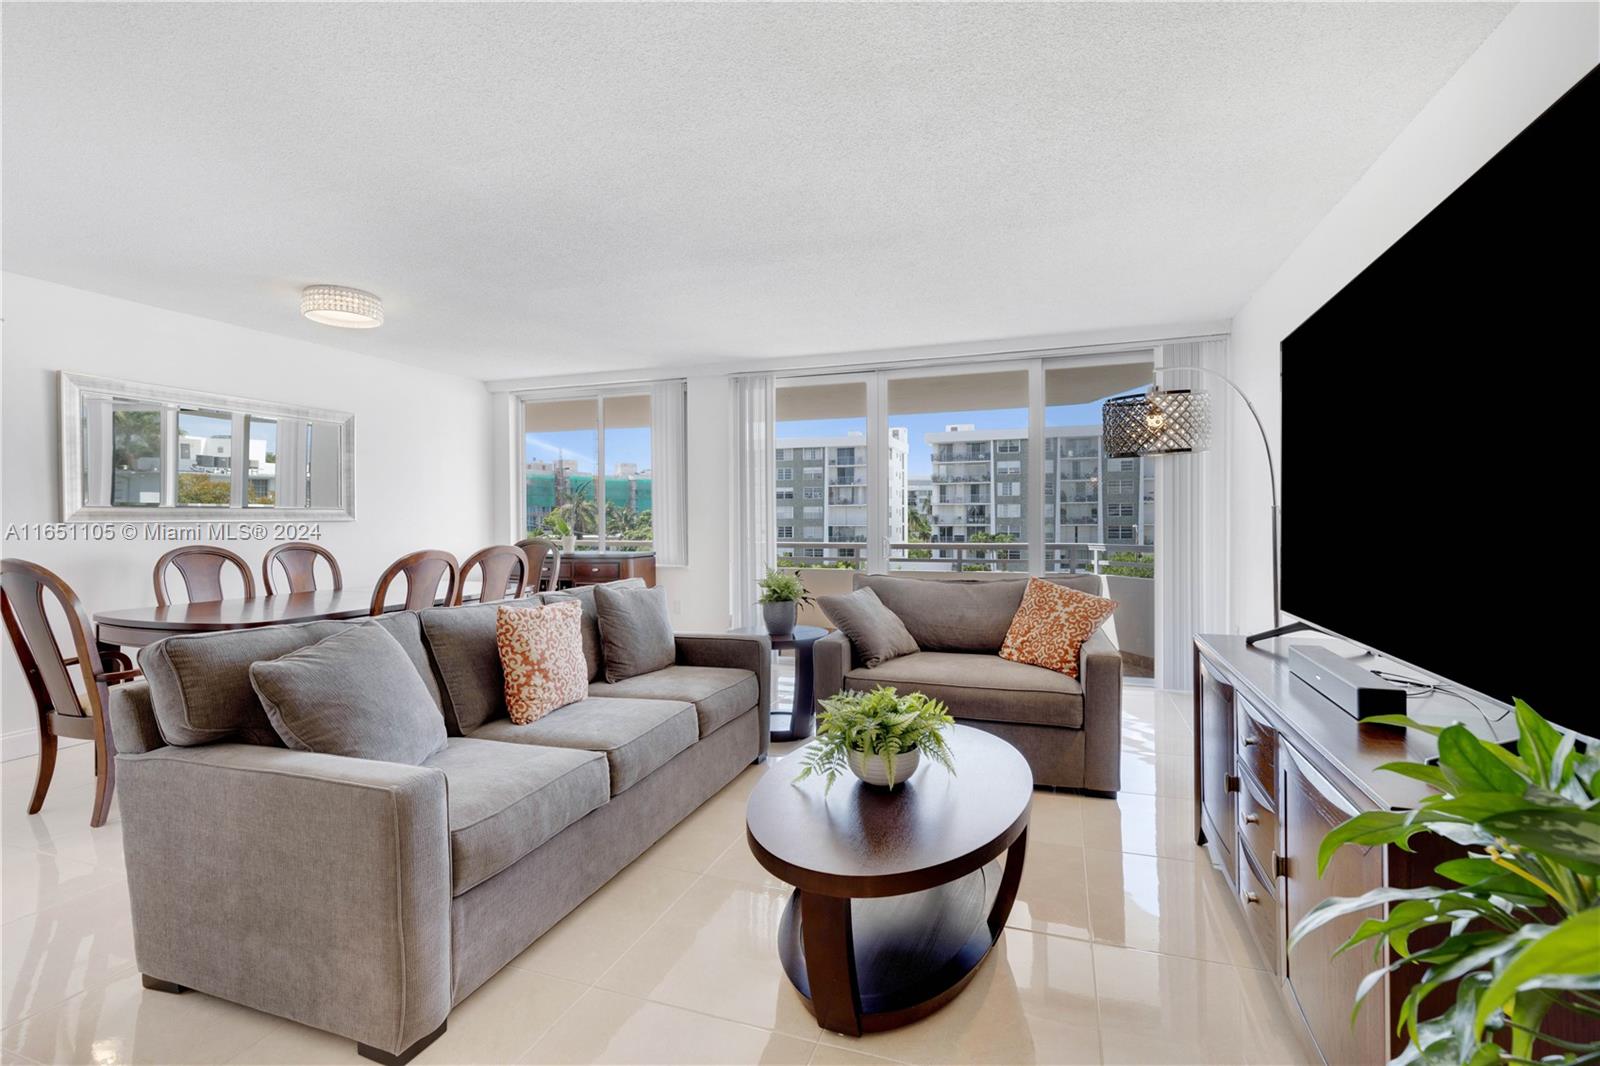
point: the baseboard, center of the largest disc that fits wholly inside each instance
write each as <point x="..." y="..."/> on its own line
<point x="24" y="743"/>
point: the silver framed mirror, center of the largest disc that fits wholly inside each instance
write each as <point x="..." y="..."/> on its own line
<point x="131" y="449"/>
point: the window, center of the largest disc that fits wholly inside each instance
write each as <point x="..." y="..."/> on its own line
<point x="956" y="424"/>
<point x="1078" y="485"/>
<point x="786" y="473"/>
<point x="1119" y="510"/>
<point x="783" y="455"/>
<point x="822" y="426"/>
<point x="587" y="470"/>
<point x="786" y="512"/>
<point x="785" y="532"/>
<point x="1120" y="534"/>
<point x="786" y="494"/>
<point x="200" y="456"/>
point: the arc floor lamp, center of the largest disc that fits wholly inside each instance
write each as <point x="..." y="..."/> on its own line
<point x="1173" y="421"/>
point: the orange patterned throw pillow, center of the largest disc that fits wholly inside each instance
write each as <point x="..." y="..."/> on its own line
<point x="1052" y="624"/>
<point x="541" y="652"/>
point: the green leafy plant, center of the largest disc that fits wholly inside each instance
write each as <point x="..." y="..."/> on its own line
<point x="1523" y="908"/>
<point x="782" y="587"/>
<point x="879" y="722"/>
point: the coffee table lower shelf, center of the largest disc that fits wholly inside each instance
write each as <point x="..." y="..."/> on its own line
<point x="889" y="961"/>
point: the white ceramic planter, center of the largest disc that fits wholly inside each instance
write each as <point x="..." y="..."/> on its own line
<point x="874" y="771"/>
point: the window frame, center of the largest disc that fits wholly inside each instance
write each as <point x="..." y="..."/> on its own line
<point x="599" y="396"/>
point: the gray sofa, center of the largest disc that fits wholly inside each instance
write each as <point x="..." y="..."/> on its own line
<point x="368" y="898"/>
<point x="1069" y="729"/>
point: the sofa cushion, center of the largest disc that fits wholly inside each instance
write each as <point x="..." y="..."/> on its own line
<point x="507" y="799"/>
<point x="593" y="650"/>
<point x="200" y="683"/>
<point x="541" y="655"/>
<point x="1052" y="624"/>
<point x="406" y="628"/>
<point x="954" y="615"/>
<point x="636" y="630"/>
<point x="985" y="687"/>
<point x="355" y="694"/>
<point x="636" y="736"/>
<point x="719" y="693"/>
<point x="462" y="643"/>
<point x="876" y="633"/>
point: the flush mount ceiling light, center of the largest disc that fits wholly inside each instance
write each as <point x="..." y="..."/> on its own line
<point x="339" y="305"/>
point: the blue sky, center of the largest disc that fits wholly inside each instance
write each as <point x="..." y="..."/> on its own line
<point x="622" y="446"/>
<point x="919" y="463"/>
<point x="633" y="445"/>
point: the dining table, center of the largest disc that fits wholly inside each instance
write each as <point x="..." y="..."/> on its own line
<point x="134" y="627"/>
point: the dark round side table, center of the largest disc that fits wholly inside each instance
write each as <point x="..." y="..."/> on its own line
<point x="802" y="715"/>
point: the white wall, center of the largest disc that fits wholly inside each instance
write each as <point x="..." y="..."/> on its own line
<point x="1536" y="54"/>
<point x="423" y="457"/>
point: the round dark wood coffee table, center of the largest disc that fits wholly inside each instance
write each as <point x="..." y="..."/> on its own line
<point x="898" y="896"/>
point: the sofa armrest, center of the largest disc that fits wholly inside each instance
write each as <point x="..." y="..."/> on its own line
<point x="744" y="651"/>
<point x="313" y="887"/>
<point x="830" y="658"/>
<point x="132" y="718"/>
<point x="1100" y="673"/>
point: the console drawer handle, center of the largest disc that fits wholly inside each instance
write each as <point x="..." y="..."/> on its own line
<point x="1230" y="783"/>
<point x="1251" y="742"/>
<point x="1251" y="819"/>
<point x="1251" y="897"/>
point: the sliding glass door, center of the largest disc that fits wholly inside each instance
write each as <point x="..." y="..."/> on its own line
<point x="823" y="473"/>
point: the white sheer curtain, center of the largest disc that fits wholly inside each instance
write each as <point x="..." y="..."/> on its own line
<point x="669" y="468"/>
<point x="753" y="544"/>
<point x="1192" y="520"/>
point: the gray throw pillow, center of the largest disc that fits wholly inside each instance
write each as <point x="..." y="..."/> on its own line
<point x="356" y="693"/>
<point x="635" y="630"/>
<point x="876" y="633"/>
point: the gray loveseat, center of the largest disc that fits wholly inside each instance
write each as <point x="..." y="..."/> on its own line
<point x="1069" y="729"/>
<point x="368" y="898"/>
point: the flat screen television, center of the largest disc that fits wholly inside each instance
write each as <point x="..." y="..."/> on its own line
<point x="1441" y="421"/>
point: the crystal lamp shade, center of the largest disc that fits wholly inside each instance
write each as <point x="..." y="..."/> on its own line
<point x="338" y="305"/>
<point x="1156" y="423"/>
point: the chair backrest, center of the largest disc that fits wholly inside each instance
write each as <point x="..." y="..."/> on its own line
<point x="422" y="571"/>
<point x="200" y="566"/>
<point x="544" y="556"/>
<point x="299" y="560"/>
<point x="499" y="563"/>
<point x="22" y="590"/>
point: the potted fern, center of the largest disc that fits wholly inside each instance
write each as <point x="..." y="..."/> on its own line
<point x="782" y="595"/>
<point x="880" y="736"/>
<point x="1522" y="907"/>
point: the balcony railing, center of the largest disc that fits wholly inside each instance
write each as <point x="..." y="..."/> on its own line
<point x="959" y="479"/>
<point x="975" y="455"/>
<point x="960" y="555"/>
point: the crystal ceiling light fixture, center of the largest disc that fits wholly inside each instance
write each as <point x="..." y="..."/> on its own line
<point x="340" y="305"/>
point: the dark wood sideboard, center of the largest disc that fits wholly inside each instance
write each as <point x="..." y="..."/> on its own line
<point x="1276" y="766"/>
<point x="594" y="568"/>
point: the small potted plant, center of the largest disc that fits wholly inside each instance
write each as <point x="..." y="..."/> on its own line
<point x="880" y="736"/>
<point x="556" y="523"/>
<point x="782" y="595"/>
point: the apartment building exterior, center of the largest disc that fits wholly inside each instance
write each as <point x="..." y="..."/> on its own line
<point x="980" y="486"/>
<point x="821" y="493"/>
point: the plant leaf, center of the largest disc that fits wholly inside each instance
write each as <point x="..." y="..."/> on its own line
<point x="1469" y="768"/>
<point x="1570" y="836"/>
<point x="1571" y="948"/>
<point x="1537" y="741"/>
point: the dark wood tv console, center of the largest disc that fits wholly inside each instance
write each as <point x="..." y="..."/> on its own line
<point x="1276" y="766"/>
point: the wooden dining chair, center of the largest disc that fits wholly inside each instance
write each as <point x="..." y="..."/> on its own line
<point x="544" y="556"/>
<point x="499" y="564"/>
<point x="422" y="571"/>
<point x="298" y="558"/>
<point x="200" y="566"/>
<point x="63" y="710"/>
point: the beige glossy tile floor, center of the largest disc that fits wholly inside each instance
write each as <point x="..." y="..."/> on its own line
<point x="1123" y="947"/>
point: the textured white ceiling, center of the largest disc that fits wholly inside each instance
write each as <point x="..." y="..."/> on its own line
<point x="557" y="188"/>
